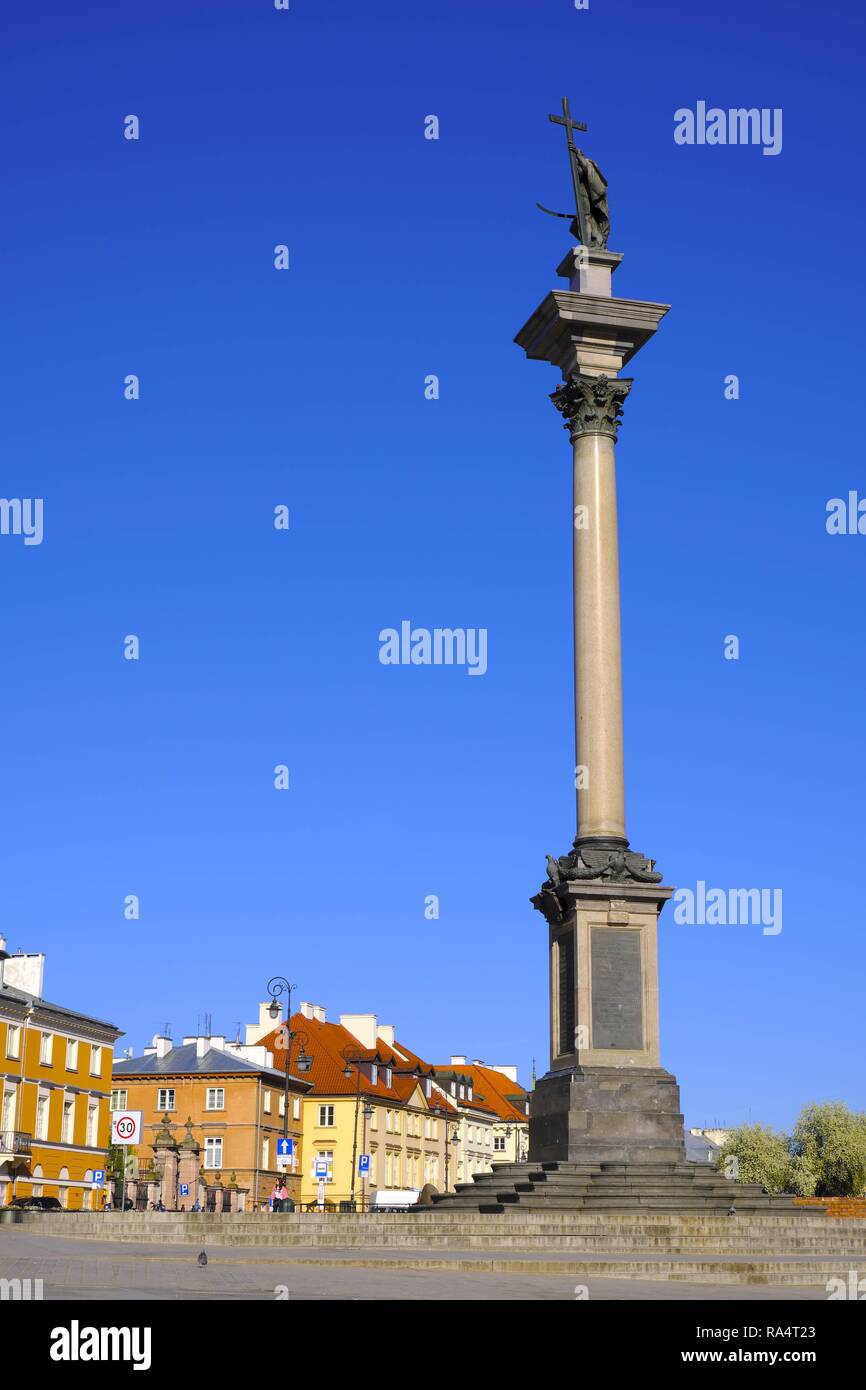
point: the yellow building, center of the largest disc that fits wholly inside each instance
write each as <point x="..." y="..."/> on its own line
<point x="370" y="1094"/>
<point x="55" y="1073"/>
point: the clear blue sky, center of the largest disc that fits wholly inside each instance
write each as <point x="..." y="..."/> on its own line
<point x="411" y="257"/>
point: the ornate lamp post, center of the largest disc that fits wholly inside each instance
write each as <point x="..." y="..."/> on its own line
<point x="278" y="986"/>
<point x="454" y="1139"/>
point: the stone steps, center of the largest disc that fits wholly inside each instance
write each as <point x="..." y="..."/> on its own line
<point x="609" y="1187"/>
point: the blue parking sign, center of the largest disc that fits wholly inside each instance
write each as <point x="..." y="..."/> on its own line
<point x="98" y="1177"/>
<point x="184" y="1189"/>
<point x="363" y="1165"/>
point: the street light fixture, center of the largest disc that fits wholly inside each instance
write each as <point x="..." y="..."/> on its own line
<point x="278" y="986"/>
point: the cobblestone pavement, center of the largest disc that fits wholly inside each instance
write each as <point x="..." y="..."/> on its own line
<point x="94" y="1270"/>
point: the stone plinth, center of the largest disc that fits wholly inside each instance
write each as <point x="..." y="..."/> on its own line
<point x="607" y="1115"/>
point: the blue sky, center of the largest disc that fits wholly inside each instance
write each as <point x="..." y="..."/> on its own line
<point x="410" y="257"/>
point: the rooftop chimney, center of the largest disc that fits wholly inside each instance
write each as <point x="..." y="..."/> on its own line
<point x="458" y="1061"/>
<point x="161" y="1045"/>
<point x="202" y="1045"/>
<point x="362" y="1027"/>
<point x="25" y="971"/>
<point x="386" y="1033"/>
<point x="316" y="1011"/>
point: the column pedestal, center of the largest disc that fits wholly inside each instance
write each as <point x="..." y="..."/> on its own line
<point x="606" y="1097"/>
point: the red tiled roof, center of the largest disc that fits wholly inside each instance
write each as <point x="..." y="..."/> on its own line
<point x="328" y="1044"/>
<point x="493" y="1089"/>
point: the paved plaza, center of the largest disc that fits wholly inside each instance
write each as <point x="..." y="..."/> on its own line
<point x="91" y="1269"/>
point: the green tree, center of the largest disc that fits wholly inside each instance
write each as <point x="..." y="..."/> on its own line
<point x="763" y="1156"/>
<point x="829" y="1140"/>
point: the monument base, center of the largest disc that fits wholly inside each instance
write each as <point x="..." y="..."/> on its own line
<point x="607" y="1115"/>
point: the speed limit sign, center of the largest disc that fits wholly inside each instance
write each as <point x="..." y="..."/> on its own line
<point x="126" y="1127"/>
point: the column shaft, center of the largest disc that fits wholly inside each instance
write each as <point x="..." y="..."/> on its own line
<point x="597" y="641"/>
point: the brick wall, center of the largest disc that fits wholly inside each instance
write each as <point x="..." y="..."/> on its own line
<point x="835" y="1206"/>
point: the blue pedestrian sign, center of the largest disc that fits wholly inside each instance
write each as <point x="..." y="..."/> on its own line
<point x="98" y="1177"/>
<point x="364" y="1165"/>
<point x="285" y="1148"/>
<point x="184" y="1189"/>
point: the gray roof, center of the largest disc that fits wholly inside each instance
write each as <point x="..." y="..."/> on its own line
<point x="20" y="996"/>
<point x="699" y="1149"/>
<point x="185" y="1060"/>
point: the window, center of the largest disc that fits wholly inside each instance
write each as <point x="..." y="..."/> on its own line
<point x="388" y="1076"/>
<point x="265" y="1152"/>
<point x="95" y="1061"/>
<point x="216" y="1098"/>
<point x="118" y="1100"/>
<point x="45" y="1049"/>
<point x="453" y="1088"/>
<point x="373" y="1165"/>
<point x="213" y="1152"/>
<point x="326" y="1116"/>
<point x="374" y="1118"/>
<point x="68" y="1121"/>
<point x="434" y="1129"/>
<point x="7" y="1115"/>
<point x="499" y="1143"/>
<point x="92" y="1124"/>
<point x="42" y="1117"/>
<point x="374" y="1073"/>
<point x="428" y="1089"/>
<point x="296" y="1108"/>
<point x="13" y="1040"/>
<point x="397" y="1125"/>
<point x="165" y="1099"/>
<point x="266" y="1105"/>
<point x="281" y="1108"/>
<point x="72" y="1054"/>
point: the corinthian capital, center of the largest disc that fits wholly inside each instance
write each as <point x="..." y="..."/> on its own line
<point x="591" y="404"/>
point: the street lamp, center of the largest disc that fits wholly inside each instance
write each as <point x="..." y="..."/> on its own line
<point x="367" y="1113"/>
<point x="455" y="1138"/>
<point x="278" y="986"/>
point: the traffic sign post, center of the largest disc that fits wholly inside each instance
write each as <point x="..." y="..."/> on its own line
<point x="125" y="1130"/>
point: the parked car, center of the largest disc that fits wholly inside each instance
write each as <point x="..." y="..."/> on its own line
<point x="37" y="1204"/>
<point x="394" y="1199"/>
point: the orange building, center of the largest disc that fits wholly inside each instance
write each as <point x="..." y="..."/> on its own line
<point x="233" y="1097"/>
<point x="55" y="1074"/>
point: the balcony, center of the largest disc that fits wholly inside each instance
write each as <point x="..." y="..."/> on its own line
<point x="14" y="1144"/>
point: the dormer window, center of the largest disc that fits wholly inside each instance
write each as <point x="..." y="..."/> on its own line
<point x="374" y="1072"/>
<point x="462" y="1091"/>
<point x="453" y="1088"/>
<point x="428" y="1088"/>
<point x="469" y="1090"/>
<point x="388" y="1075"/>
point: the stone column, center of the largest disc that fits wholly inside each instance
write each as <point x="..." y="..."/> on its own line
<point x="606" y="1098"/>
<point x="592" y="406"/>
